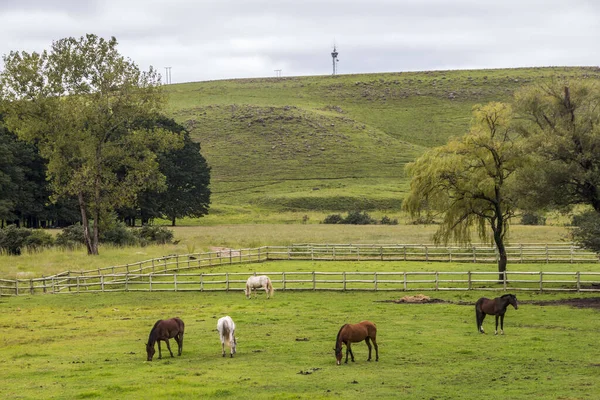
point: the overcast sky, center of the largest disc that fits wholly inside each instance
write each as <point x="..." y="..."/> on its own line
<point x="223" y="39"/>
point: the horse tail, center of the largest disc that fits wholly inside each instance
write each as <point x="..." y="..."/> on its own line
<point x="478" y="314"/>
<point x="247" y="291"/>
<point x="270" y="287"/>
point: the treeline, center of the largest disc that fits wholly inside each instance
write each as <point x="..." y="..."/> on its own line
<point x="26" y="195"/>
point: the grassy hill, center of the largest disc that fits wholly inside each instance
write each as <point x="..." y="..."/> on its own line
<point x="332" y="143"/>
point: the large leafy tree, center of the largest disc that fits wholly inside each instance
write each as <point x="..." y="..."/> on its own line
<point x="468" y="182"/>
<point x="562" y="123"/>
<point x="79" y="102"/>
<point x="187" y="175"/>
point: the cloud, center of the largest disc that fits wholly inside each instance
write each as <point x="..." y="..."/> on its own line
<point x="204" y="40"/>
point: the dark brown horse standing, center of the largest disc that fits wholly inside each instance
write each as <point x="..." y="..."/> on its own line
<point x="164" y="330"/>
<point x="352" y="333"/>
<point x="496" y="307"/>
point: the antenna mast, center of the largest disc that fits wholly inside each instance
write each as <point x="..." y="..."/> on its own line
<point x="335" y="60"/>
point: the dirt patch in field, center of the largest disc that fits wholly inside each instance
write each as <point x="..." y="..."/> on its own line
<point x="592" y="302"/>
<point x="416" y="299"/>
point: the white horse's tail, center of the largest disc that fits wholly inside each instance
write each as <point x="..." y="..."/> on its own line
<point x="270" y="287"/>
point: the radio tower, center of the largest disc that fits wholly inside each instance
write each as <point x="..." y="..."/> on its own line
<point x="335" y="60"/>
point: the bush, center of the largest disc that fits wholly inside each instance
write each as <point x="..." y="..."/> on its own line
<point x="359" y="218"/>
<point x="587" y="230"/>
<point x="388" y="221"/>
<point x="530" y="218"/>
<point x="119" y="235"/>
<point x="71" y="236"/>
<point x="333" y="219"/>
<point x="154" y="234"/>
<point x="13" y="240"/>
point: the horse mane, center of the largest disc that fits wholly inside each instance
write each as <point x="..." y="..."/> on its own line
<point x="152" y="336"/>
<point x="507" y="295"/>
<point x="337" y="339"/>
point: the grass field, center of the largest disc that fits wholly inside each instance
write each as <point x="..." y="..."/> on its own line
<point x="333" y="143"/>
<point x="92" y="346"/>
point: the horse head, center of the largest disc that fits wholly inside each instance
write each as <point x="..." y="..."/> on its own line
<point x="338" y="354"/>
<point x="150" y="351"/>
<point x="513" y="301"/>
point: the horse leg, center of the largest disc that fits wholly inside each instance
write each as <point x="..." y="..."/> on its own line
<point x="376" y="349"/>
<point x="481" y="318"/>
<point x="159" y="352"/>
<point x="179" y="340"/>
<point x="223" y="347"/>
<point x="349" y="349"/>
<point x="169" y="347"/>
<point x="502" y="324"/>
<point x="267" y="290"/>
<point x="496" y="332"/>
<point x="367" y="341"/>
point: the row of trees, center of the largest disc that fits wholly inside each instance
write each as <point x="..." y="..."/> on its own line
<point x="94" y="123"/>
<point x="540" y="153"/>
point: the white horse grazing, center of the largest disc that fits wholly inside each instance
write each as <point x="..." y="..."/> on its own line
<point x="261" y="281"/>
<point x="226" y="329"/>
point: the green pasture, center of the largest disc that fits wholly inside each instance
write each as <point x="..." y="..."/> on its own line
<point x="92" y="346"/>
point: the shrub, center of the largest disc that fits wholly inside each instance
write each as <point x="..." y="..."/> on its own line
<point x="333" y="219"/>
<point x="154" y="234"/>
<point x="587" y="230"/>
<point x="359" y="218"/>
<point x="530" y="218"/>
<point x="13" y="240"/>
<point x="388" y="221"/>
<point x="71" y="236"/>
<point x="119" y="235"/>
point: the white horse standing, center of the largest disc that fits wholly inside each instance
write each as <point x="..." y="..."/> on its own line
<point x="261" y="281"/>
<point x="226" y="329"/>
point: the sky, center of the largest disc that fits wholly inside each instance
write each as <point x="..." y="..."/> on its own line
<point x="229" y="39"/>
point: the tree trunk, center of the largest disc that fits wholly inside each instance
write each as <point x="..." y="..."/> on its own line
<point x="173" y="221"/>
<point x="85" y="223"/>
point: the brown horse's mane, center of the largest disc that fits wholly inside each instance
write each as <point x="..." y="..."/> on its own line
<point x="152" y="336"/>
<point x="337" y="339"/>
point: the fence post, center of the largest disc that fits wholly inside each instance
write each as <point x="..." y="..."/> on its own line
<point x="547" y="255"/>
<point x="381" y="252"/>
<point x="77" y="281"/>
<point x="150" y="282"/>
<point x="578" y="275"/>
<point x="127" y="282"/>
<point x="314" y="279"/>
<point x="344" y="281"/>
<point x="474" y="254"/>
<point x="31" y="286"/>
<point x="16" y="287"/>
<point x="102" y="283"/>
<point x="201" y="282"/>
<point x="504" y="280"/>
<point x="426" y="253"/>
<point x="283" y="279"/>
<point x="405" y="281"/>
<point x="541" y="281"/>
<point x="375" y="280"/>
<point x="53" y="286"/>
<point x="333" y="253"/>
<point x="437" y="280"/>
<point x="227" y="281"/>
<point x="469" y="279"/>
<point x="521" y="252"/>
<point x="404" y="252"/>
<point x="175" y="281"/>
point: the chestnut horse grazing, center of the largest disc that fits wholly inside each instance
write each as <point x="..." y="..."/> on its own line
<point x="496" y="307"/>
<point x="261" y="281"/>
<point x="165" y="330"/>
<point x="352" y="333"/>
<point x="226" y="329"/>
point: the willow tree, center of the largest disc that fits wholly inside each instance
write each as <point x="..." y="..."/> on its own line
<point x="561" y="120"/>
<point x="467" y="183"/>
<point x="80" y="103"/>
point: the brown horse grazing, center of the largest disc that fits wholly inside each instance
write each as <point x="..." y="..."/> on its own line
<point x="349" y="333"/>
<point x="496" y="307"/>
<point x="165" y="330"/>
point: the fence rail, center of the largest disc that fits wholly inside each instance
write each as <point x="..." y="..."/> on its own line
<point x="154" y="272"/>
<point x="311" y="281"/>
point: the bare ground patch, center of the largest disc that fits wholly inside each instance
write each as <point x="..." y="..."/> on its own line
<point x="591" y="302"/>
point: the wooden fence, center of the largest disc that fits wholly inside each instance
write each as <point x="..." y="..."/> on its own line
<point x="310" y="281"/>
<point x="172" y="272"/>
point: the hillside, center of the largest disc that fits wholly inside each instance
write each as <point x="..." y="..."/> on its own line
<point x="333" y="143"/>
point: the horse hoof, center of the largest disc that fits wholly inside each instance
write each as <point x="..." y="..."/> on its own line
<point x="231" y="355"/>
